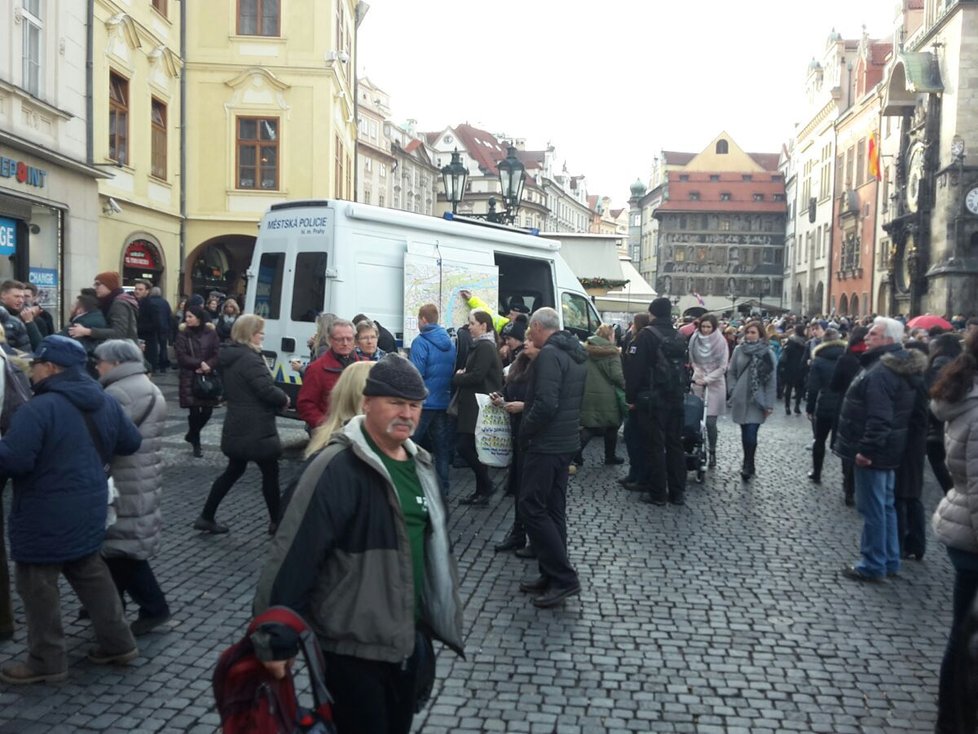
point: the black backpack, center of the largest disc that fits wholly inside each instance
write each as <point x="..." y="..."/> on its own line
<point x="670" y="375"/>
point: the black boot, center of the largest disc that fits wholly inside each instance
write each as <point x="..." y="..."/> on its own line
<point x="751" y="452"/>
<point x="711" y="434"/>
<point x="514" y="540"/>
<point x="747" y="468"/>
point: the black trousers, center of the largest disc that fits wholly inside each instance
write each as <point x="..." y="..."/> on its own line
<point x="823" y="427"/>
<point x="664" y="451"/>
<point x="610" y="436"/>
<point x="135" y="577"/>
<point x="936" y="455"/>
<point x="799" y="394"/>
<point x="197" y="419"/>
<point x="466" y="449"/>
<point x="369" y="696"/>
<point x="543" y="509"/>
<point x="911" y="525"/>
<point x="236" y="468"/>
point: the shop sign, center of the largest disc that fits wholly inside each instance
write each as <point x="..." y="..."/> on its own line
<point x="8" y="236"/>
<point x="141" y="254"/>
<point x="28" y="175"/>
<point x="46" y="280"/>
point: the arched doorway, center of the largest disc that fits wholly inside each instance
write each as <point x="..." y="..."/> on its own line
<point x="797" y="304"/>
<point x="843" y="305"/>
<point x="882" y="299"/>
<point x="142" y="258"/>
<point x="818" y="306"/>
<point x="854" y="305"/>
<point x="219" y="264"/>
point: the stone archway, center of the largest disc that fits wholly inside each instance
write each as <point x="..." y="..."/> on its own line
<point x="818" y="305"/>
<point x="882" y="300"/>
<point x="843" y="305"/>
<point x="219" y="264"/>
<point x="799" y="297"/>
<point x="854" y="305"/>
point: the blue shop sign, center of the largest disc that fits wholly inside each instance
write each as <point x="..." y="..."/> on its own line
<point x="8" y="236"/>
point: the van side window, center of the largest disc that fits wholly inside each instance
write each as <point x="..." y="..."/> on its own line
<point x="309" y="289"/>
<point x="268" y="293"/>
<point x="577" y="314"/>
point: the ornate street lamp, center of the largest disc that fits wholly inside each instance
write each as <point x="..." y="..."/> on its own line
<point x="454" y="176"/>
<point x="512" y="176"/>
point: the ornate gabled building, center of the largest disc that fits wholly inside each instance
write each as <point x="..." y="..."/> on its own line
<point x="929" y="95"/>
<point x="857" y="161"/>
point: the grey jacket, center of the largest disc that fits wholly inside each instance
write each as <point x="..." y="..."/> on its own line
<point x="342" y="557"/>
<point x="744" y="409"/>
<point x="956" y="519"/>
<point x="138" y="478"/>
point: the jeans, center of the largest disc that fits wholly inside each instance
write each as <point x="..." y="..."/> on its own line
<point x="543" y="509"/>
<point x="38" y="587"/>
<point x="236" y="468"/>
<point x="880" y="543"/>
<point x="955" y="703"/>
<point x="636" y="437"/>
<point x="135" y="577"/>
<point x="436" y="434"/>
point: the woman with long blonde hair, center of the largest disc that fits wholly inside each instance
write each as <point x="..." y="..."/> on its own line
<point x="345" y="402"/>
<point x="249" y="432"/>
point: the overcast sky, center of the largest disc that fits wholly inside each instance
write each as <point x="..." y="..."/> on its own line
<point x="611" y="83"/>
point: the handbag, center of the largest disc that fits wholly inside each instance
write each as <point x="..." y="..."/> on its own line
<point x="493" y="434"/>
<point x="452" y="408"/>
<point x="208" y="387"/>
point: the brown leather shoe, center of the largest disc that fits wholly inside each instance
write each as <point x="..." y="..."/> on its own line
<point x="17" y="674"/>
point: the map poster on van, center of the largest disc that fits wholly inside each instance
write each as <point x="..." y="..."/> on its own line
<point x="426" y="282"/>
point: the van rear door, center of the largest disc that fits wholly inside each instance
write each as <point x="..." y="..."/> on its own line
<point x="435" y="273"/>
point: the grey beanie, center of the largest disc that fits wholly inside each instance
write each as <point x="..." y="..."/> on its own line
<point x="397" y="377"/>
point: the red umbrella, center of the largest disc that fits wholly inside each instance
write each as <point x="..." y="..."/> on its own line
<point x="687" y="329"/>
<point x="928" y="321"/>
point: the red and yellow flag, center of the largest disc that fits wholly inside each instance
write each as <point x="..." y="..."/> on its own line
<point x="874" y="157"/>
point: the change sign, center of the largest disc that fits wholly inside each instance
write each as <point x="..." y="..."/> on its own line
<point x="8" y="236"/>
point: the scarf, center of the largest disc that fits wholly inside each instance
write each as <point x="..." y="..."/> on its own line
<point x="760" y="369"/>
<point x="707" y="350"/>
<point x="346" y="361"/>
<point x="488" y="336"/>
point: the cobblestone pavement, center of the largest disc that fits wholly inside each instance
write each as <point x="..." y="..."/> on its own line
<point x="726" y="615"/>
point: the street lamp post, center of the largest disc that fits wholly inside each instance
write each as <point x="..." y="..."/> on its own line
<point x="733" y="304"/>
<point x="512" y="177"/>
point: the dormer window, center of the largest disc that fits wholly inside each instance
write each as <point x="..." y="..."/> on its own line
<point x="758" y="197"/>
<point x="722" y="147"/>
<point x="725" y="196"/>
<point x="694" y="195"/>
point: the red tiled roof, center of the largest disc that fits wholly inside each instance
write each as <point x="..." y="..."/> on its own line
<point x="530" y="158"/>
<point x="592" y="202"/>
<point x="482" y="146"/>
<point x="411" y="146"/>
<point x="915" y="5"/>
<point x="878" y="52"/>
<point x="767" y="161"/>
<point x="675" y="158"/>
<point x="432" y="138"/>
<point x="615" y="213"/>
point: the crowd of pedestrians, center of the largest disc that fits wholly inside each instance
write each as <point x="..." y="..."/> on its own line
<point x="361" y="548"/>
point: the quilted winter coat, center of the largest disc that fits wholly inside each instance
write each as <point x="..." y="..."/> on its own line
<point x="599" y="408"/>
<point x="139" y="477"/>
<point x="956" y="519"/>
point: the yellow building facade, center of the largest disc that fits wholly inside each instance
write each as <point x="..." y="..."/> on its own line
<point x="270" y="117"/>
<point x="136" y="70"/>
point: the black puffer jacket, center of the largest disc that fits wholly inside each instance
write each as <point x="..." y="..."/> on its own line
<point x="552" y="409"/>
<point x="792" y="364"/>
<point x="821" y="400"/>
<point x="935" y="427"/>
<point x="253" y="400"/>
<point x="877" y="406"/>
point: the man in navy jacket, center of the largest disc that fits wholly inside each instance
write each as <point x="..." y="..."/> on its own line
<point x="56" y="451"/>
<point x="433" y="353"/>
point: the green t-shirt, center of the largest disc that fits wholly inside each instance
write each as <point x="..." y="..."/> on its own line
<point x="404" y="474"/>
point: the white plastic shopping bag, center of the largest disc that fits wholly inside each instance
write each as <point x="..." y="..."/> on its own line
<point x="493" y="440"/>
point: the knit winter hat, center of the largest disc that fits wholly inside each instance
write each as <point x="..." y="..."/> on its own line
<point x="396" y="377"/>
<point x="661" y="308"/>
<point x="514" y="330"/>
<point x="109" y="279"/>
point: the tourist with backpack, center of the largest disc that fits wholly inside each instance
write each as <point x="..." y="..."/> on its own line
<point x="362" y="552"/>
<point x="753" y="390"/>
<point x="656" y="378"/>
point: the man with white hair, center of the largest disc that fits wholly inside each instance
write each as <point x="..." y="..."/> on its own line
<point x="872" y="434"/>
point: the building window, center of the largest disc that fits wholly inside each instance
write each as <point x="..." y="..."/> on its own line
<point x="258" y="17"/>
<point x="383" y="170"/>
<point x="368" y="165"/>
<point x="684" y="177"/>
<point x="33" y="28"/>
<point x="367" y="196"/>
<point x="158" y="139"/>
<point x="381" y="200"/>
<point x="257" y="143"/>
<point x="779" y="197"/>
<point x="118" y="119"/>
<point x="724" y="224"/>
<point x="160" y="7"/>
<point x="722" y="147"/>
<point x="758" y="197"/>
<point x="747" y="177"/>
<point x="694" y="195"/>
<point x="725" y="196"/>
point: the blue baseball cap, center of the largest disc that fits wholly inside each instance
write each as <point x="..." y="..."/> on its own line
<point x="60" y="350"/>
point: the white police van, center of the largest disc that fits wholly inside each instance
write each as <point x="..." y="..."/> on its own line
<point x="346" y="258"/>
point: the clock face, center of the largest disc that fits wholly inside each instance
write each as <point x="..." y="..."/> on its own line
<point x="971" y="200"/>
